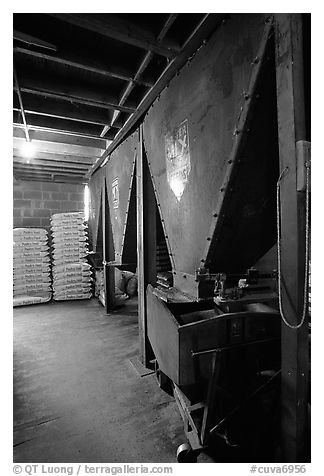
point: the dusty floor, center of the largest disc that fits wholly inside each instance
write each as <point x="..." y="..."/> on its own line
<point x="77" y="396"/>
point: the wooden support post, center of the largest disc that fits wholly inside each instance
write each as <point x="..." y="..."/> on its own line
<point x="108" y="252"/>
<point x="291" y="128"/>
<point x="146" y="245"/>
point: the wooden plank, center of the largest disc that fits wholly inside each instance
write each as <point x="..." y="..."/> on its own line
<point x="61" y="125"/>
<point x="139" y="368"/>
<point x="85" y="64"/>
<point x="32" y="40"/>
<point x="94" y="144"/>
<point x="121" y="30"/>
<point x="291" y="128"/>
<point x="59" y="158"/>
<point x="95" y="100"/>
<point x="144" y="64"/>
<point x="60" y="114"/>
<point x="51" y="163"/>
<point x="49" y="178"/>
<point x="30" y="168"/>
<point x="206" y="26"/>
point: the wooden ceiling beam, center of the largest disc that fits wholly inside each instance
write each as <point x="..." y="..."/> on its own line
<point x="37" y="111"/>
<point x="121" y="30"/>
<point x="31" y="40"/>
<point x="86" y="145"/>
<point x="56" y="148"/>
<point x="48" y="177"/>
<point x="51" y="163"/>
<point x="56" y="157"/>
<point x="37" y="90"/>
<point x="204" y="29"/>
<point x="61" y="125"/>
<point x="30" y="167"/>
<point x="145" y="62"/>
<point x="84" y="64"/>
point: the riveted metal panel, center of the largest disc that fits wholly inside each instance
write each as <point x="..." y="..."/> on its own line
<point x="119" y="172"/>
<point x="95" y="190"/>
<point x="207" y="97"/>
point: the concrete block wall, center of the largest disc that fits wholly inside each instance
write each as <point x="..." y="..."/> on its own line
<point x="35" y="202"/>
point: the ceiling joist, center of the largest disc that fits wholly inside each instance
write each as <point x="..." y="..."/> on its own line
<point x="31" y="40"/>
<point x="89" y="79"/>
<point x="59" y="158"/>
<point x="121" y="30"/>
<point x="48" y="177"/>
<point x="47" y="93"/>
<point x="145" y="62"/>
<point x="38" y="112"/>
<point x="84" y="64"/>
<point x="95" y="145"/>
<point x="30" y="167"/>
<point x="50" y="163"/>
<point x="203" y="30"/>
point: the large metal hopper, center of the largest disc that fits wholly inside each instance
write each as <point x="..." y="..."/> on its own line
<point x="199" y="135"/>
<point x="120" y="182"/>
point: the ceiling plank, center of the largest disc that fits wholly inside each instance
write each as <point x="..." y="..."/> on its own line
<point x="46" y="122"/>
<point x="83" y="64"/>
<point x="145" y="62"/>
<point x="56" y="157"/>
<point x="52" y="107"/>
<point x="48" y="177"/>
<point x="31" y="40"/>
<point x="37" y="110"/>
<point x="53" y="147"/>
<point x="97" y="145"/>
<point x="38" y="90"/>
<point x="121" y="30"/>
<point x="31" y="167"/>
<point x="206" y="26"/>
<point x="51" y="163"/>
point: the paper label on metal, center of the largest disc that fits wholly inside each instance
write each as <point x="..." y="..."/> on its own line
<point x="178" y="158"/>
<point x="115" y="193"/>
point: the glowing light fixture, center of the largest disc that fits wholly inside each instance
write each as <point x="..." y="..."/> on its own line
<point x="27" y="150"/>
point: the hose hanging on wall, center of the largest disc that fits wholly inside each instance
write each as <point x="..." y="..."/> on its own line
<point x="305" y="303"/>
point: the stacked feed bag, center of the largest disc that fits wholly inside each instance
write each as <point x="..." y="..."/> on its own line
<point x="71" y="272"/>
<point x="31" y="266"/>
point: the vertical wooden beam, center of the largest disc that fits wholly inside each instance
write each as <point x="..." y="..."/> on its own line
<point x="146" y="245"/>
<point x="108" y="251"/>
<point x="291" y="128"/>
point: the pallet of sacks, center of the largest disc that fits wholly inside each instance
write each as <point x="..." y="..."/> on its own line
<point x="31" y="267"/>
<point x="72" y="275"/>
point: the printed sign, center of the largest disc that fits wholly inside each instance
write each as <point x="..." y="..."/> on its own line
<point x="115" y="193"/>
<point x="178" y="159"/>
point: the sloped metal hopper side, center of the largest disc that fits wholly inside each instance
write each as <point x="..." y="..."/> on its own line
<point x="246" y="226"/>
<point x="119" y="172"/>
<point x="95" y="212"/>
<point x="191" y="141"/>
